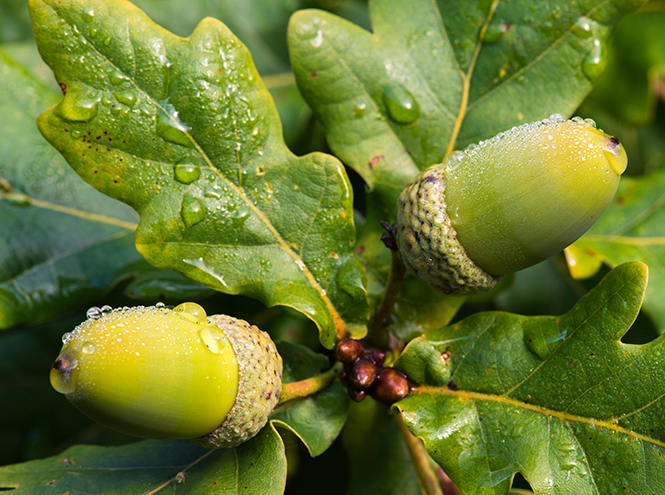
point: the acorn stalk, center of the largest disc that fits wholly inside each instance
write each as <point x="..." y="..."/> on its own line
<point x="506" y="203"/>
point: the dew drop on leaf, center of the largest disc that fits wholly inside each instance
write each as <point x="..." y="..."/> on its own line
<point x="170" y="127"/>
<point x="583" y="27"/>
<point x="186" y="173"/>
<point x="126" y="97"/>
<point x="495" y="32"/>
<point x="192" y="211"/>
<point x="359" y="110"/>
<point x="240" y="215"/>
<point x="80" y="103"/>
<point x="402" y="106"/>
<point x="117" y="78"/>
<point x="595" y="61"/>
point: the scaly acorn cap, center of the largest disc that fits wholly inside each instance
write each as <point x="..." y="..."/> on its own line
<point x="428" y="242"/>
<point x="506" y="203"/>
<point x="156" y="372"/>
<point x="259" y="384"/>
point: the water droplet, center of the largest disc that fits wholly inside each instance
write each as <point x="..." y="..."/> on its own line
<point x="88" y="15"/>
<point x="213" y="339"/>
<point x="454" y="158"/>
<point x="349" y="278"/>
<point x="117" y="78"/>
<point x="192" y="211"/>
<point x="106" y="309"/>
<point x="170" y="127"/>
<point x="93" y="313"/>
<point x="160" y="305"/>
<point x="240" y="215"/>
<point x="555" y="117"/>
<point x="192" y="311"/>
<point x="88" y="348"/>
<point x="126" y="97"/>
<point x="64" y="374"/>
<point x="80" y="103"/>
<point x="583" y="27"/>
<point x="495" y="32"/>
<point x="187" y="173"/>
<point x="66" y="337"/>
<point x="359" y="110"/>
<point x="401" y="104"/>
<point x="595" y="61"/>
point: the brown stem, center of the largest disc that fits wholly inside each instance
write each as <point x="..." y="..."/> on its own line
<point x="309" y="386"/>
<point x="384" y="310"/>
<point x="429" y="482"/>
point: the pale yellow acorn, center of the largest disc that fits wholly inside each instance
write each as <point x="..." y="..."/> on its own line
<point x="156" y="372"/>
<point x="506" y="203"/>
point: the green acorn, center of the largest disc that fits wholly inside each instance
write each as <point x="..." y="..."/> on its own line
<point x="506" y="203"/>
<point x="155" y="372"/>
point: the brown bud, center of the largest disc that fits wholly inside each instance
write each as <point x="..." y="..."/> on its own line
<point x="390" y="386"/>
<point x="378" y="357"/>
<point x="362" y="372"/>
<point x="356" y="395"/>
<point x="348" y="350"/>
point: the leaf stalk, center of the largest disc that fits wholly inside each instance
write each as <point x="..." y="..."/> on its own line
<point x="429" y="482"/>
<point x="309" y="386"/>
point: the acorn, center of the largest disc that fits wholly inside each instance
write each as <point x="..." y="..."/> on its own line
<point x="163" y="373"/>
<point x="506" y="203"/>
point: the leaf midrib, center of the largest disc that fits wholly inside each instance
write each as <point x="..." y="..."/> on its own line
<point x="566" y="417"/>
<point x="533" y="62"/>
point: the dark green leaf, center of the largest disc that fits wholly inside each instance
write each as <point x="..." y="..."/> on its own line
<point x="185" y="132"/>
<point x="318" y="419"/>
<point x="471" y="69"/>
<point x="380" y="462"/>
<point x="158" y="285"/>
<point x="635" y="68"/>
<point x="62" y="243"/>
<point x="14" y="21"/>
<point x="559" y="399"/>
<point x="156" y="466"/>
<point x="633" y="228"/>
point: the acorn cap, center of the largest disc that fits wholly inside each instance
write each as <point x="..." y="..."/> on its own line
<point x="428" y="242"/>
<point x="259" y="384"/>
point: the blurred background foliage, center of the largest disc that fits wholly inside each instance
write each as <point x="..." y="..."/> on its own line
<point x="628" y="101"/>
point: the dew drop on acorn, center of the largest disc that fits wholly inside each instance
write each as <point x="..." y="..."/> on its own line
<point x="402" y="106"/>
<point x="64" y="374"/>
<point x="93" y="313"/>
<point x="192" y="311"/>
<point x="213" y="339"/>
<point x="88" y="348"/>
